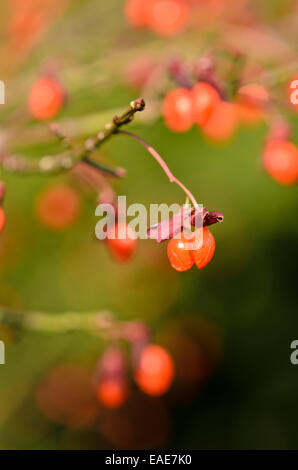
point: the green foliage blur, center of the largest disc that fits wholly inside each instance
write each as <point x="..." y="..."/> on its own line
<point x="248" y="293"/>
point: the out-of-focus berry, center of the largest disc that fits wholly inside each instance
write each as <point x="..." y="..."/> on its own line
<point x="252" y="101"/>
<point x="2" y="219"/>
<point x="58" y="207"/>
<point x="222" y="122"/>
<point x="280" y="159"/>
<point x="177" y="110"/>
<point x="136" y="12"/>
<point x="205" y="98"/>
<point x="46" y="99"/>
<point x="168" y="17"/>
<point x="112" y="392"/>
<point x="155" y="371"/>
<point x="121" y="241"/>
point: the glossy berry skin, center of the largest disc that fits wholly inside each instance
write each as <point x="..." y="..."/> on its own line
<point x="280" y="159"/>
<point x="177" y="110"/>
<point x="2" y="219"/>
<point x="46" y="99"/>
<point x="222" y="122"/>
<point x="180" y="258"/>
<point x="136" y="12"/>
<point x="155" y="371"/>
<point x="122" y="249"/>
<point x="112" y="393"/>
<point x="167" y="17"/>
<point x="205" y="98"/>
<point x="204" y="255"/>
<point x="58" y="207"/>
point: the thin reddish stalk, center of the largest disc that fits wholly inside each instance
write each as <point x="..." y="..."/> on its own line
<point x="163" y="165"/>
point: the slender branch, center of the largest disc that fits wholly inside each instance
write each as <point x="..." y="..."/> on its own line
<point x="113" y="127"/>
<point x="55" y="323"/>
<point x="101" y="323"/>
<point x="163" y="165"/>
<point x="50" y="164"/>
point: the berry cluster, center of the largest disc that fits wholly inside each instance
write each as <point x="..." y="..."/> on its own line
<point x="218" y="118"/>
<point x="164" y="17"/>
<point x="153" y="371"/>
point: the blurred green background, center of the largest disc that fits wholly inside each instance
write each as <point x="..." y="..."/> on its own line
<point x="247" y="296"/>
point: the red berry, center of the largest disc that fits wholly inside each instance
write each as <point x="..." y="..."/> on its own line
<point x="112" y="393"/>
<point x="180" y="258"/>
<point x="222" y="122"/>
<point x="168" y="17"/>
<point x="155" y="371"/>
<point x="58" y="207"/>
<point x="177" y="110"/>
<point x="204" y="255"/>
<point x="136" y="12"/>
<point x="46" y="98"/>
<point x="205" y="98"/>
<point x="121" y="241"/>
<point x="280" y="159"/>
<point x="2" y="219"/>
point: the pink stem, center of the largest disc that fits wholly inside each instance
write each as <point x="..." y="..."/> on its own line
<point x="163" y="165"/>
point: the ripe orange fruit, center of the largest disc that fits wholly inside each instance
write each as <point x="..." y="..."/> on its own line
<point x="205" y="98"/>
<point x="46" y="99"/>
<point x="121" y="241"/>
<point x="155" y="371"/>
<point x="222" y="122"/>
<point x="280" y="159"/>
<point x="180" y="258"/>
<point x="204" y="255"/>
<point x="177" y="110"/>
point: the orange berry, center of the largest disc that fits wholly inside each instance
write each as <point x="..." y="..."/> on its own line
<point x="2" y="219"/>
<point x="58" y="207"/>
<point x="252" y="100"/>
<point x="136" y="12"/>
<point x="205" y="98"/>
<point x="155" y="371"/>
<point x="204" y="255"/>
<point x="222" y="122"/>
<point x="121" y="248"/>
<point x="112" y="393"/>
<point x="168" y="17"/>
<point x="46" y="99"/>
<point x="180" y="258"/>
<point x="280" y="159"/>
<point x="177" y="110"/>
